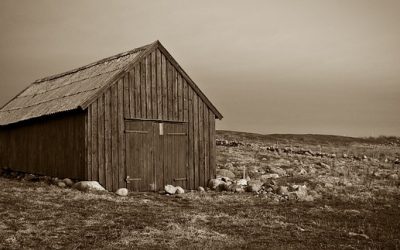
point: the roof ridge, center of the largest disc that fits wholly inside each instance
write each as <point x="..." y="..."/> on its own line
<point x="52" y="77"/>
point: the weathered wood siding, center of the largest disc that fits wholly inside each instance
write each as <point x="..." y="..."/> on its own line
<point x="52" y="145"/>
<point x="154" y="89"/>
<point x="105" y="140"/>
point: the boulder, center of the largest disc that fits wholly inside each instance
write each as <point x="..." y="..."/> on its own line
<point x="254" y="186"/>
<point x="241" y="182"/>
<point x="88" y="186"/>
<point x="68" y="182"/>
<point x="122" y="192"/>
<point x="179" y="190"/>
<point x="169" y="189"/>
<point x="283" y="190"/>
<point x="223" y="187"/>
<point x="201" y="189"/>
<point x="277" y="170"/>
<point x="301" y="171"/>
<point x="324" y="165"/>
<point x="30" y="177"/>
<point x="61" y="184"/>
<point x="265" y="177"/>
<point x="281" y="162"/>
<point x="236" y="188"/>
<point x="214" y="183"/>
<point x="225" y="173"/>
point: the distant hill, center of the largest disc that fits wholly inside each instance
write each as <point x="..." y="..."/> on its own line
<point x="311" y="139"/>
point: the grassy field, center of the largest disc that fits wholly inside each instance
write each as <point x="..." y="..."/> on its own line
<point x="364" y="215"/>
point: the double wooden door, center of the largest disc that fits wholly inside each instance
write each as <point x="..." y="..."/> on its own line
<point x="156" y="155"/>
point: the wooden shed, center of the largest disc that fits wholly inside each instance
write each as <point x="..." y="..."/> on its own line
<point x="134" y="120"/>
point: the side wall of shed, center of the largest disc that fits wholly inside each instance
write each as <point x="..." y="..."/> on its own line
<point x="153" y="90"/>
<point x="52" y="145"/>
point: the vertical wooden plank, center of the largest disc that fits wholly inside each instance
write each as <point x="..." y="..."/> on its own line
<point x="196" y="139"/>
<point x="175" y="95"/>
<point x="185" y="101"/>
<point x="126" y="96"/>
<point x="170" y="93"/>
<point x="95" y="166"/>
<point x="201" y="144"/>
<point x="100" y="141"/>
<point x="206" y="135"/>
<point x="107" y="134"/>
<point x="212" y="145"/>
<point x="114" y="135"/>
<point x="159" y="85"/>
<point x="121" y="137"/>
<point x="190" y="140"/>
<point x="131" y="91"/>
<point x="149" y="113"/>
<point x="143" y="88"/>
<point x="154" y="102"/>
<point x="180" y="98"/>
<point x="137" y="90"/>
<point x="164" y="87"/>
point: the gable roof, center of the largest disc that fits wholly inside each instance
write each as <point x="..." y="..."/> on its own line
<point x="78" y="88"/>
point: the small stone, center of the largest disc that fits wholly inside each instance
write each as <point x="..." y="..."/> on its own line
<point x="61" y="184"/>
<point x="122" y="192"/>
<point x="179" y="190"/>
<point x="169" y="189"/>
<point x="201" y="189"/>
<point x="68" y="182"/>
<point x="394" y="177"/>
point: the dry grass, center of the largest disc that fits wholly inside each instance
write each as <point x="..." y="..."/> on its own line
<point x="35" y="215"/>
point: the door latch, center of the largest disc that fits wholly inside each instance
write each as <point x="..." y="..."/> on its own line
<point x="128" y="179"/>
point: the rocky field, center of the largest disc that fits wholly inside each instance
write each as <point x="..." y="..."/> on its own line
<point x="274" y="192"/>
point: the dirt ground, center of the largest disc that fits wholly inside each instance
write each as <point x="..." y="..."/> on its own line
<point x="364" y="215"/>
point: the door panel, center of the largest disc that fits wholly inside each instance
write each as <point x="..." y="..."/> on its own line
<point x="139" y="155"/>
<point x="175" y="154"/>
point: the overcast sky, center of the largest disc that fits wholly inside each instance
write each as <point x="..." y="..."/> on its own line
<point x="321" y="67"/>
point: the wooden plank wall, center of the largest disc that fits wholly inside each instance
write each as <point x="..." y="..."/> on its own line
<point x="52" y="145"/>
<point x="105" y="156"/>
<point x="153" y="90"/>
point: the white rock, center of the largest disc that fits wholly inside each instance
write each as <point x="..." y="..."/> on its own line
<point x="201" y="189"/>
<point x="68" y="182"/>
<point x="88" y="186"/>
<point x="61" y="184"/>
<point x="122" y="192"/>
<point x="283" y="190"/>
<point x="169" y="189"/>
<point x="269" y="176"/>
<point x="179" y="190"/>
<point x="242" y="182"/>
